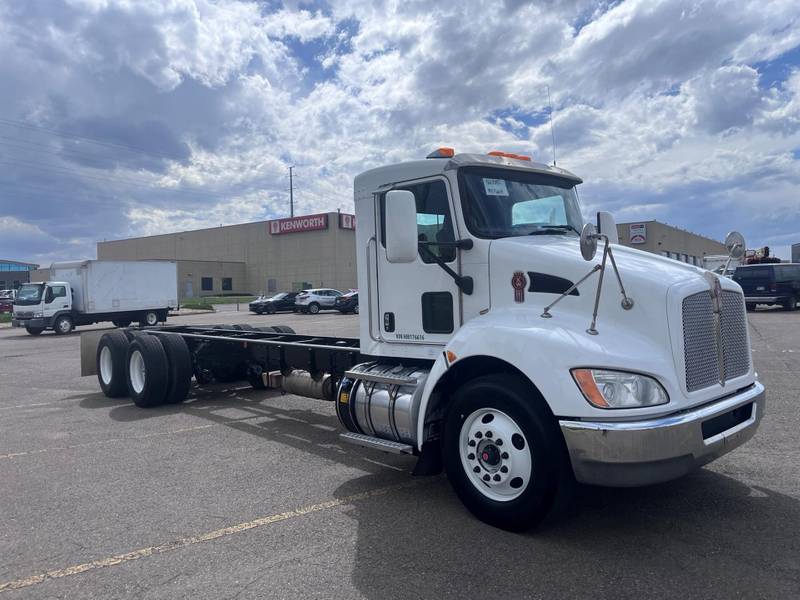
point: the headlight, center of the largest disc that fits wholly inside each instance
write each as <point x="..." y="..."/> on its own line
<point x="618" y="389"/>
<point x="38" y="315"/>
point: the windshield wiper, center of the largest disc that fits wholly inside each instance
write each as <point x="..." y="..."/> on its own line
<point x="551" y="229"/>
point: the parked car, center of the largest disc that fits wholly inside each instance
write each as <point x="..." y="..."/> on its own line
<point x="347" y="303"/>
<point x="278" y="302"/>
<point x="770" y="284"/>
<point x="8" y="294"/>
<point x="312" y="301"/>
<point x="6" y="305"/>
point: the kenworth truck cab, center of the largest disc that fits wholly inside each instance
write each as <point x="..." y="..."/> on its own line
<point x="496" y="343"/>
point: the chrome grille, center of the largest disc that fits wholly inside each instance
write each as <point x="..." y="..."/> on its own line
<point x="700" y="344"/>
<point x="734" y="335"/>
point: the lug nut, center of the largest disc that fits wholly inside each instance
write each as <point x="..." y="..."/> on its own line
<point x="476" y="469"/>
<point x="471" y="456"/>
<point x="489" y="434"/>
<point x="504" y="469"/>
<point x="478" y="434"/>
<point x="496" y="477"/>
<point x="499" y="442"/>
<point x="504" y="455"/>
<point x="486" y="477"/>
<point x="471" y="443"/>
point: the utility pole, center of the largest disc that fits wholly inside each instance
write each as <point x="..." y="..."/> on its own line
<point x="291" y="193"/>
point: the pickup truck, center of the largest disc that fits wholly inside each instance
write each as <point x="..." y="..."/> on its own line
<point x="502" y="339"/>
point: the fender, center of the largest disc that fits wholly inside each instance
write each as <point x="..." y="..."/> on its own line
<point x="544" y="351"/>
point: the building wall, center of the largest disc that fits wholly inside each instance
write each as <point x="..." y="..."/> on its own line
<point x="319" y="258"/>
<point x="662" y="238"/>
<point x="796" y="253"/>
<point x="14" y="273"/>
<point x="192" y="272"/>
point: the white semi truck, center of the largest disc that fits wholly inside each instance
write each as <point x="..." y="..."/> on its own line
<point x="494" y="343"/>
<point x="94" y="291"/>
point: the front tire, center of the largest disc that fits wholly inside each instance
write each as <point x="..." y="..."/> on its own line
<point x="504" y="454"/>
<point x="63" y="325"/>
<point x="750" y="306"/>
<point x="34" y="330"/>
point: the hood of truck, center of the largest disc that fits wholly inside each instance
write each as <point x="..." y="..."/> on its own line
<point x="527" y="274"/>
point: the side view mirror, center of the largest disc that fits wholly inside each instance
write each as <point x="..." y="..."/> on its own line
<point x="734" y="242"/>
<point x="401" y="227"/>
<point x="607" y="226"/>
<point x="588" y="241"/>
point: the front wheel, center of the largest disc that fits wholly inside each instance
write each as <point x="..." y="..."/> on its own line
<point x="313" y="308"/>
<point x="503" y="453"/>
<point x="63" y="325"/>
<point x="34" y="330"/>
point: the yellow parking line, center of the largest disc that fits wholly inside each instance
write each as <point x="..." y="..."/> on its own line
<point x="119" y="559"/>
<point x="113" y="440"/>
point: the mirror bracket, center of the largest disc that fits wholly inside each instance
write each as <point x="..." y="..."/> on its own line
<point x="465" y="283"/>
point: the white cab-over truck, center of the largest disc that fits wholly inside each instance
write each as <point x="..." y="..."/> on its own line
<point x="495" y="343"/>
<point x="94" y="291"/>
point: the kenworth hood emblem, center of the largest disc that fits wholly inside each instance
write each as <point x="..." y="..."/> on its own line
<point x="716" y="306"/>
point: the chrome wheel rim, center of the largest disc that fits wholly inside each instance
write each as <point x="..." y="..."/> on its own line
<point x="63" y="326"/>
<point x="106" y="365"/>
<point x="495" y="454"/>
<point x="137" y="371"/>
<point x="151" y="318"/>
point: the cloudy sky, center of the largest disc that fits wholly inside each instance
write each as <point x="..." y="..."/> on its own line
<point x="132" y="117"/>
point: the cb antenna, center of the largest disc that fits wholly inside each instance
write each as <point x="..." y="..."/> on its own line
<point x="552" y="129"/>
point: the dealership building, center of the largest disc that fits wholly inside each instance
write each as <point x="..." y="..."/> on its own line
<point x="669" y="241"/>
<point x="320" y="251"/>
<point x="14" y="273"/>
<point x="252" y="258"/>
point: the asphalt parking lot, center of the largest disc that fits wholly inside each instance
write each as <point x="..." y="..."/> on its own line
<point x="249" y="494"/>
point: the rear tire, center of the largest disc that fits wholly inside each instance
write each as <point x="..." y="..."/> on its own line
<point x="179" y="362"/>
<point x="313" y="308"/>
<point x="147" y="371"/>
<point x="148" y="319"/>
<point x="790" y="304"/>
<point x="503" y="453"/>
<point x="121" y="322"/>
<point x="111" y="364"/>
<point x="63" y="325"/>
<point x="355" y="310"/>
<point x="283" y="329"/>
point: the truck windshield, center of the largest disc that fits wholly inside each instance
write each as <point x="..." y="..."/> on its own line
<point x="505" y="203"/>
<point x="29" y="293"/>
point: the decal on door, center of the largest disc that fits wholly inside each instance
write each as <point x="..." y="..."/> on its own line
<point x="519" y="282"/>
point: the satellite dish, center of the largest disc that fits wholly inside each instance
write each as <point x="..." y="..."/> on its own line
<point x="734" y="242"/>
<point x="588" y="241"/>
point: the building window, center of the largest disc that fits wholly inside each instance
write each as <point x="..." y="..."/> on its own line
<point x="16" y="284"/>
<point x="206" y="284"/>
<point x="272" y="285"/>
<point x="227" y="284"/>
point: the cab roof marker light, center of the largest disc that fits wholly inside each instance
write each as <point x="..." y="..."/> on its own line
<point x="509" y="155"/>
<point x="443" y="152"/>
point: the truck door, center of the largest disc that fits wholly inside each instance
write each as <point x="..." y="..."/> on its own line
<point x="55" y="300"/>
<point x="418" y="302"/>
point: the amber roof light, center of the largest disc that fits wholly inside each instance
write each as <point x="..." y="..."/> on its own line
<point x="442" y="153"/>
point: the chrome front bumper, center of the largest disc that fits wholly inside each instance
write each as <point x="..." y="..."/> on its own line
<point x="634" y="453"/>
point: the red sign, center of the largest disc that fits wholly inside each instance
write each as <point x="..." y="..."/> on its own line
<point x="347" y="221"/>
<point x="298" y="224"/>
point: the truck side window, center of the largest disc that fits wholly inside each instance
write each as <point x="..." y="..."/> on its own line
<point x="434" y="221"/>
<point x="56" y="291"/>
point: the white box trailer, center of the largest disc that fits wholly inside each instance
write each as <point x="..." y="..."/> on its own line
<point x="94" y="291"/>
